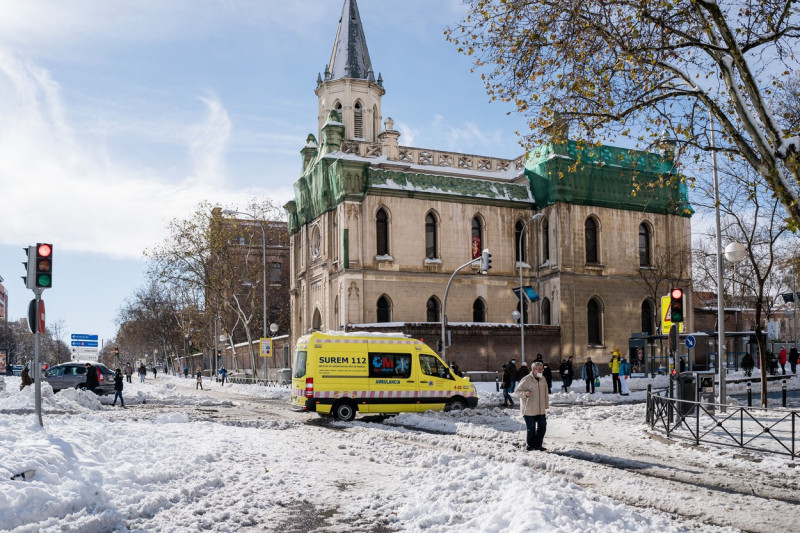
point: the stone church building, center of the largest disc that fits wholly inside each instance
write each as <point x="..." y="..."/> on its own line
<point x="377" y="229"/>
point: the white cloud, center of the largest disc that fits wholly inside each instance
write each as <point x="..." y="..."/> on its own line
<point x="60" y="183"/>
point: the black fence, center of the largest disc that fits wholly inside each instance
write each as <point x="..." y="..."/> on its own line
<point x="747" y="428"/>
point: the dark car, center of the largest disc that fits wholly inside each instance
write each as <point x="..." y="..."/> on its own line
<point x="73" y="376"/>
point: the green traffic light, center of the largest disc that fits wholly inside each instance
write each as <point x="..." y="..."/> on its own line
<point x="43" y="280"/>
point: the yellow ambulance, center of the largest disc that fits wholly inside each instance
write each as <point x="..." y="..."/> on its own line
<point x="340" y="374"/>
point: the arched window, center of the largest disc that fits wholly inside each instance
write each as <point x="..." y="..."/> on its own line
<point x="644" y="245"/>
<point x="479" y="310"/>
<point x="376" y="123"/>
<point x="545" y="232"/>
<point x="430" y="236"/>
<point x="590" y="227"/>
<point x="432" y="313"/>
<point x="546" y="320"/>
<point x="519" y="242"/>
<point x="384" y="309"/>
<point x="338" y="107"/>
<point x="316" y="323"/>
<point x="382" y="232"/>
<point x="477" y="237"/>
<point x="648" y="325"/>
<point x="524" y="312"/>
<point x="594" y="323"/>
<point x="316" y="242"/>
<point x="358" y="122"/>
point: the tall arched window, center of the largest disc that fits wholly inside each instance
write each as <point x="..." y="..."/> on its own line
<point x="648" y="318"/>
<point x="644" y="245"/>
<point x="519" y="242"/>
<point x="590" y="227"/>
<point x="546" y="320"/>
<point x="384" y="309"/>
<point x="358" y="122"/>
<point x="376" y="123"/>
<point x="545" y="232"/>
<point x="430" y="236"/>
<point x="594" y="323"/>
<point x="477" y="237"/>
<point x="479" y="310"/>
<point x="432" y="312"/>
<point x="382" y="232"/>
<point x="316" y="323"/>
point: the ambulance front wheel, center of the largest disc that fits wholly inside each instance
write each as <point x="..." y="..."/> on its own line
<point x="344" y="411"/>
<point x="455" y="405"/>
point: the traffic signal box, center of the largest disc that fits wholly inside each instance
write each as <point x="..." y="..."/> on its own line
<point x="39" y="266"/>
<point x="676" y="305"/>
<point x="486" y="261"/>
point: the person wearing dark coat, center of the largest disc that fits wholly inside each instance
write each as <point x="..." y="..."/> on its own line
<point x="92" y="381"/>
<point x="506" y="386"/>
<point x="590" y="373"/>
<point x="548" y="377"/>
<point x="522" y="371"/>
<point x="793" y="355"/>
<point x="26" y="379"/>
<point x="118" y="384"/>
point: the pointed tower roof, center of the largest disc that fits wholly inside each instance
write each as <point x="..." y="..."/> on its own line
<point x="350" y="57"/>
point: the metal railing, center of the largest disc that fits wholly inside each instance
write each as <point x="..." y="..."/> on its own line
<point x="747" y="428"/>
<point x="243" y="380"/>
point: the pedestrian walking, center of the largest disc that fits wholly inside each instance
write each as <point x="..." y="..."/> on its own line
<point x="548" y="377"/>
<point x="223" y="372"/>
<point x="522" y="371"/>
<point x="128" y="373"/>
<point x="118" y="384"/>
<point x="793" y="355"/>
<point x="624" y="376"/>
<point x="199" y="381"/>
<point x="166" y="369"/>
<point x="512" y="368"/>
<point x="155" y="372"/>
<point x="589" y="374"/>
<point x="563" y="371"/>
<point x="26" y="378"/>
<point x="186" y="372"/>
<point x="92" y="380"/>
<point x="782" y="360"/>
<point x="142" y="373"/>
<point x="506" y="386"/>
<point x="533" y="405"/>
<point x="614" y="366"/>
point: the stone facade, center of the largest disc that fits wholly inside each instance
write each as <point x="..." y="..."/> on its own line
<point x="377" y="229"/>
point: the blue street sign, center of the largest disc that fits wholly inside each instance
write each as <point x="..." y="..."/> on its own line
<point x="529" y="293"/>
<point x="83" y="337"/>
<point x="84" y="343"/>
<point x="690" y="341"/>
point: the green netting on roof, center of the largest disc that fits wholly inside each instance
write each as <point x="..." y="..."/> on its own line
<point x="606" y="176"/>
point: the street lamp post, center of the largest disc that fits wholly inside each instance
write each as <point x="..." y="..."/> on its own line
<point x="263" y="267"/>
<point x="537" y="216"/>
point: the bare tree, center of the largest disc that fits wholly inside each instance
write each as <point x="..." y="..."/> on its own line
<point x="635" y="69"/>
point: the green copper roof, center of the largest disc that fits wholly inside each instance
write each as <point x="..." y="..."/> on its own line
<point x="606" y="176"/>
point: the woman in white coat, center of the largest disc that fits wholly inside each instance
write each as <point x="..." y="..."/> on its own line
<point x="533" y="404"/>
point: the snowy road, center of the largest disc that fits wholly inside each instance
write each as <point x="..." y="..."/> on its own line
<point x="239" y="460"/>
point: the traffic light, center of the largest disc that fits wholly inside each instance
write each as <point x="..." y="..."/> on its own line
<point x="30" y="267"/>
<point x="44" y="266"/>
<point x="116" y="352"/>
<point x="676" y="305"/>
<point x="486" y="261"/>
<point x="439" y="345"/>
<point x="219" y="354"/>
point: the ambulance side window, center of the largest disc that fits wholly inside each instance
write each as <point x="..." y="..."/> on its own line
<point x="389" y="365"/>
<point x="432" y="366"/>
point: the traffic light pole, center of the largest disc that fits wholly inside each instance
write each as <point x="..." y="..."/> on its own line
<point x="444" y="304"/>
<point x="37" y="372"/>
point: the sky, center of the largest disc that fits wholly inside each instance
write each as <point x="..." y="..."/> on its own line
<point x="117" y="117"/>
<point x="181" y="459"/>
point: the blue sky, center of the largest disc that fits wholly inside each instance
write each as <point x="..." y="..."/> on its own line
<point x="120" y="116"/>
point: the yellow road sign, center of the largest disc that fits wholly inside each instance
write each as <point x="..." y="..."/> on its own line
<point x="666" y="323"/>
<point x="266" y="348"/>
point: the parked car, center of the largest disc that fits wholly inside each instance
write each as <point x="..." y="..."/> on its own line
<point x="73" y="376"/>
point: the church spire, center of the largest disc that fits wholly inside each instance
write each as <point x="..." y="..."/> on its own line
<point x="350" y="57"/>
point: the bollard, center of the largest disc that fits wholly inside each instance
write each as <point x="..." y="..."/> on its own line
<point x="749" y="395"/>
<point x="649" y="410"/>
<point x="783" y="393"/>
<point x="497" y="384"/>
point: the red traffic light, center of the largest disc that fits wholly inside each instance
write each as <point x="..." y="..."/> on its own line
<point x="44" y="250"/>
<point x="676" y="294"/>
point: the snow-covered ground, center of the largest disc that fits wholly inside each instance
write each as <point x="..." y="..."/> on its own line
<point x="236" y="459"/>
